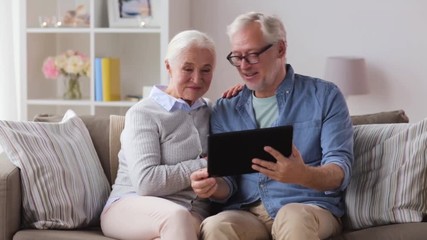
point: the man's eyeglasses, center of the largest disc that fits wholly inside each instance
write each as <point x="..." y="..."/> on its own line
<point x="250" y="58"/>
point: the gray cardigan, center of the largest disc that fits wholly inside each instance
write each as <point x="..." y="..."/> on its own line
<point x="159" y="151"/>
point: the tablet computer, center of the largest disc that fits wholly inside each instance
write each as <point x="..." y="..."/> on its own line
<point x="231" y="153"/>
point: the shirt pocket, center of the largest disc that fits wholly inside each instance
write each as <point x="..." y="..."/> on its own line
<point x="307" y="140"/>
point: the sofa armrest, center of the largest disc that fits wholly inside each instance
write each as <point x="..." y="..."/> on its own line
<point x="10" y="198"/>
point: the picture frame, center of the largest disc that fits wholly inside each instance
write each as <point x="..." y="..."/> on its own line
<point x="134" y="13"/>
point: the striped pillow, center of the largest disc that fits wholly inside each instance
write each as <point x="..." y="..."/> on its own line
<point x="63" y="184"/>
<point x="389" y="178"/>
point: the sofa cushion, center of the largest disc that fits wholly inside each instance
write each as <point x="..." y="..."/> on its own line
<point x="63" y="184"/>
<point x="83" y="234"/>
<point x="403" y="231"/>
<point x="389" y="177"/>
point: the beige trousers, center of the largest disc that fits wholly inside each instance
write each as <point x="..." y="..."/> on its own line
<point x="147" y="218"/>
<point x="294" y="221"/>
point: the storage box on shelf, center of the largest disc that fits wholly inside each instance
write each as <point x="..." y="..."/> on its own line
<point x="140" y="50"/>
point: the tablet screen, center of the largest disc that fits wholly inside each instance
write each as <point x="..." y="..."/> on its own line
<point x="231" y="153"/>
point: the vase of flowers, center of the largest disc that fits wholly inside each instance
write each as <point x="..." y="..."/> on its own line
<point x="69" y="67"/>
<point x="72" y="86"/>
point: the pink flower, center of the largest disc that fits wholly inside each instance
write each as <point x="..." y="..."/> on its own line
<point x="69" y="62"/>
<point x="49" y="68"/>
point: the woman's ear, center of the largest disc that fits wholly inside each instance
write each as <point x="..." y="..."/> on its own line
<point x="168" y="68"/>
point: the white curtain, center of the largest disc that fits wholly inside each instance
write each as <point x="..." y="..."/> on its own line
<point x="9" y="57"/>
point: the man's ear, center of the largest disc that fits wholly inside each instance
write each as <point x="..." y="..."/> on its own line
<point x="282" y="46"/>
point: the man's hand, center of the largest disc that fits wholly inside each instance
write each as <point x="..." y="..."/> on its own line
<point x="293" y="170"/>
<point x="286" y="170"/>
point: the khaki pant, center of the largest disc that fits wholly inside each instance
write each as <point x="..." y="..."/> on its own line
<point x="294" y="221"/>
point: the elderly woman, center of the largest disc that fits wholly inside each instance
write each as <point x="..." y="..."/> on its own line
<point x="163" y="141"/>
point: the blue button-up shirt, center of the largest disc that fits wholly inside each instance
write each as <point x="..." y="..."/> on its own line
<point x="323" y="133"/>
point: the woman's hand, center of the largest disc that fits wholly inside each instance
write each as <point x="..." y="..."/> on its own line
<point x="209" y="187"/>
<point x="233" y="91"/>
<point x="202" y="184"/>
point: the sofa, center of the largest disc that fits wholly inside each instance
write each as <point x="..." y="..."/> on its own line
<point x="104" y="133"/>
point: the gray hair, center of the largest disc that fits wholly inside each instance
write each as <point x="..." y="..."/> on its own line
<point x="272" y="27"/>
<point x="187" y="39"/>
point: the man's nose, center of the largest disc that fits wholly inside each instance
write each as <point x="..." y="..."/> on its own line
<point x="244" y="63"/>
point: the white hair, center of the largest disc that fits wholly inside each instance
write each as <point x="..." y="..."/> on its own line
<point x="187" y="39"/>
<point x="272" y="27"/>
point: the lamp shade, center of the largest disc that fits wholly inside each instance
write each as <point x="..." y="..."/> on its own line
<point x="348" y="73"/>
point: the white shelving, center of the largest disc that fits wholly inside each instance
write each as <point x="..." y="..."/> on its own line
<point x="141" y="52"/>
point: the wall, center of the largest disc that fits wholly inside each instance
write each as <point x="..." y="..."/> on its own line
<point x="9" y="42"/>
<point x="390" y="35"/>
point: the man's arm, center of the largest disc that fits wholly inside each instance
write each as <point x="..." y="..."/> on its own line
<point x="323" y="178"/>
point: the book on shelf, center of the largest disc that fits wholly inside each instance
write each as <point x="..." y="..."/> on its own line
<point x="98" y="80"/>
<point x="110" y="71"/>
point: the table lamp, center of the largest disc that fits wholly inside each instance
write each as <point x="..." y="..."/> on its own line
<point x="348" y="73"/>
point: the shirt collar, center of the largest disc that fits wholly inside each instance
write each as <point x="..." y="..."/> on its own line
<point x="170" y="103"/>
<point x="285" y="87"/>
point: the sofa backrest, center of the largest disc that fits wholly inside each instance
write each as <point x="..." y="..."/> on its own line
<point x="99" y="130"/>
<point x="117" y="123"/>
<point x="396" y="116"/>
<point x="105" y="133"/>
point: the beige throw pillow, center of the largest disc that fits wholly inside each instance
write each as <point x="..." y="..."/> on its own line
<point x="63" y="184"/>
<point x="389" y="177"/>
